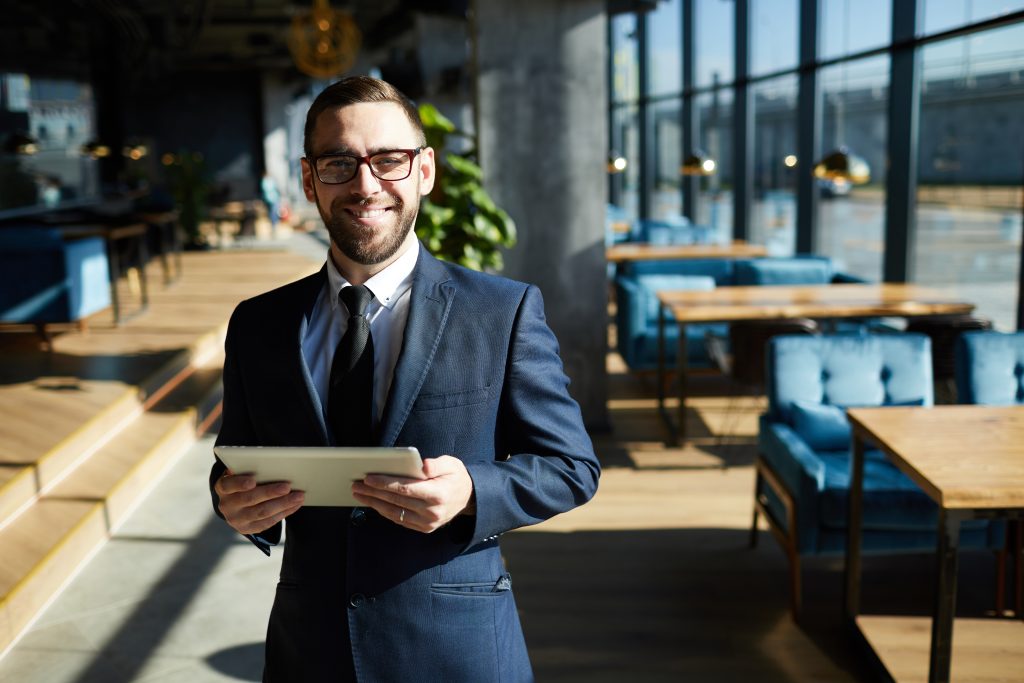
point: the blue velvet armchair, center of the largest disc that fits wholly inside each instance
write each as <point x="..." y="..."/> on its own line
<point x="803" y="464"/>
<point x="989" y="370"/>
<point x="44" y="279"/>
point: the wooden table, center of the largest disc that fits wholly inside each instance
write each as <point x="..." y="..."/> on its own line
<point x="764" y="302"/>
<point x="643" y="251"/>
<point x="969" y="460"/>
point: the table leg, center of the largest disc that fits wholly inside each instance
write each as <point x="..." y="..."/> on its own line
<point x="143" y="254"/>
<point x="114" y="263"/>
<point x="661" y="379"/>
<point x="682" y="373"/>
<point x="945" y="595"/>
<point x="853" y="529"/>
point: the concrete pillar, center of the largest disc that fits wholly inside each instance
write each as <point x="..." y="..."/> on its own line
<point x="541" y="89"/>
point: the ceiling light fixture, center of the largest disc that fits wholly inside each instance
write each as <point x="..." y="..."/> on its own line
<point x="324" y="42"/>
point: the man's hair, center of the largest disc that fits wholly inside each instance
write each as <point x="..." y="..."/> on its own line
<point x="358" y="90"/>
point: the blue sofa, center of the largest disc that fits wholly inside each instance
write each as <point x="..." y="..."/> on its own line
<point x="803" y="465"/>
<point x="44" y="279"/>
<point x="637" y="306"/>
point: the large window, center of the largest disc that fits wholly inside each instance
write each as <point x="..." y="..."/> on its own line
<point x="667" y="146"/>
<point x="964" y="163"/>
<point x="715" y="23"/>
<point x="43" y="125"/>
<point x="773" y="220"/>
<point x="664" y="58"/>
<point x="852" y="26"/>
<point x="971" y="169"/>
<point x="851" y="219"/>
<point x="714" y="112"/>
<point x="626" y="144"/>
<point x="774" y="37"/>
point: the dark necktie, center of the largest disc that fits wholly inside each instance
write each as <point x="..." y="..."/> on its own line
<point x="350" y="396"/>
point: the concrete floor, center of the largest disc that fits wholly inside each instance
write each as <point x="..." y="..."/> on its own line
<point x="174" y="596"/>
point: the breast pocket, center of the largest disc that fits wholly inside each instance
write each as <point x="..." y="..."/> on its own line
<point x="451" y="399"/>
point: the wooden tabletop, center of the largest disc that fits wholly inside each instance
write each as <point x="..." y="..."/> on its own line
<point x="965" y="457"/>
<point x="643" y="251"/>
<point x="762" y="302"/>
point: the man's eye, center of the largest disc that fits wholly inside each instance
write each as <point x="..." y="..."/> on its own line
<point x="388" y="161"/>
<point x="337" y="164"/>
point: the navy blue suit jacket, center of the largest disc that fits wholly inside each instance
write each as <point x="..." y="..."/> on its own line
<point x="478" y="377"/>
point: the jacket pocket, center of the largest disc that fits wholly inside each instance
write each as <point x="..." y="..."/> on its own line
<point x="451" y="399"/>
<point x="475" y="589"/>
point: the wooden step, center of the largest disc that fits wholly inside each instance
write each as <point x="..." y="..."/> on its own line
<point x="21" y="483"/>
<point x="45" y="546"/>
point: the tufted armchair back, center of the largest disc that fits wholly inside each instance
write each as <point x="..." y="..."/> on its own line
<point x="990" y="368"/>
<point x="848" y="370"/>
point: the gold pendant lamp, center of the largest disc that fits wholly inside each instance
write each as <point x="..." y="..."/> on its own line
<point x="324" y="42"/>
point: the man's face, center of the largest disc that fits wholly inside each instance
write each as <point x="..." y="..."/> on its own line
<point x="368" y="219"/>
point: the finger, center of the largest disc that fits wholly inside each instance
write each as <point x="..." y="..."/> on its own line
<point x="234" y="483"/>
<point x="401" y="516"/>
<point x="263" y="524"/>
<point x="263" y="493"/>
<point x="399" y="495"/>
<point x="252" y="514"/>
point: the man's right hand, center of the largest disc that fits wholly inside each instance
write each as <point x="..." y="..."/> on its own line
<point x="250" y="509"/>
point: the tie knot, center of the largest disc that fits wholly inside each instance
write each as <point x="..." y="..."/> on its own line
<point x="356" y="298"/>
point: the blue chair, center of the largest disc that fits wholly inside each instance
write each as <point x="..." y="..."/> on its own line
<point x="989" y="370"/>
<point x="44" y="279"/>
<point x="803" y="464"/>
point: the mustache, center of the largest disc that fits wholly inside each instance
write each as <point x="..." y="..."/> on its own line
<point x="370" y="204"/>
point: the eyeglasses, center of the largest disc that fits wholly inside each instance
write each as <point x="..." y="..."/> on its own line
<point x="392" y="164"/>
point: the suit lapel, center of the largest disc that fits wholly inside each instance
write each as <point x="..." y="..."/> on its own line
<point x="307" y="297"/>
<point x="431" y="299"/>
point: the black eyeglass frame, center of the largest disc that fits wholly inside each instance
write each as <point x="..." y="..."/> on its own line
<point x="411" y="153"/>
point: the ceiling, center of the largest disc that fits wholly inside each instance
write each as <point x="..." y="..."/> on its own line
<point x="149" y="38"/>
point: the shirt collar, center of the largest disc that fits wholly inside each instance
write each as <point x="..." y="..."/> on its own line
<point x="387" y="286"/>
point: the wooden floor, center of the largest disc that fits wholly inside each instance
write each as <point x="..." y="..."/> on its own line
<point x="651" y="581"/>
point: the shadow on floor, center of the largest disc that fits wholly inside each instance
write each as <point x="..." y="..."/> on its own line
<point x="698" y="605"/>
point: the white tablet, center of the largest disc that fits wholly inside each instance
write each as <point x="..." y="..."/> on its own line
<point x="325" y="474"/>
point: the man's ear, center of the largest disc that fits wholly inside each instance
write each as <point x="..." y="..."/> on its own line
<point x="308" y="180"/>
<point x="428" y="170"/>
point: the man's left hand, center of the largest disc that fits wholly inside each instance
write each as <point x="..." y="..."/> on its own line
<point x="421" y="504"/>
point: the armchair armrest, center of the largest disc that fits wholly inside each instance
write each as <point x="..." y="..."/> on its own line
<point x="799" y="469"/>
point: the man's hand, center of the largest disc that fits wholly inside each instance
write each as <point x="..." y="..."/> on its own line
<point x="250" y="509"/>
<point x="421" y="504"/>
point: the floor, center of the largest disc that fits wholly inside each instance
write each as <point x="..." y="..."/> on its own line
<point x="650" y="581"/>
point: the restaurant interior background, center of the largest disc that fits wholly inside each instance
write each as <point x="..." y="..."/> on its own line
<point x="595" y="122"/>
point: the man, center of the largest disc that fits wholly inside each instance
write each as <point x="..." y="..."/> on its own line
<point x="411" y="586"/>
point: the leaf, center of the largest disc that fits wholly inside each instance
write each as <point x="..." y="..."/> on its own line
<point x="465" y="166"/>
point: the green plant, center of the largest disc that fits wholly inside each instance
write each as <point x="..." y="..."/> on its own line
<point x="458" y="221"/>
<point x="187" y="179"/>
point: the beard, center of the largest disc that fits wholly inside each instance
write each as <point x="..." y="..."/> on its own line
<point x="364" y="244"/>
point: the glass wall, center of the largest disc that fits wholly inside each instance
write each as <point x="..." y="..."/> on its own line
<point x="969" y="188"/>
<point x="971" y="169"/>
<point x="851" y="218"/>
<point x="44" y="124"/>
<point x="714" y="123"/>
<point x="773" y="220"/>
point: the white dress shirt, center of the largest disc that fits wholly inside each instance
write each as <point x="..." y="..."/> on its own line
<point x="387" y="314"/>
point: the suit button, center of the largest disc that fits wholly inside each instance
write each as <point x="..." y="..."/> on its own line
<point x="357" y="600"/>
<point x="358" y="517"/>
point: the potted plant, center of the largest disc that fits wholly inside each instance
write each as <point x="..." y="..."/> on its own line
<point x="186" y="176"/>
<point x="458" y="221"/>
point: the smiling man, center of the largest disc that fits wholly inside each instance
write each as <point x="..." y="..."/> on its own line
<point x="387" y="346"/>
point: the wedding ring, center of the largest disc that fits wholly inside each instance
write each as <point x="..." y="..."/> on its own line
<point x="401" y="517"/>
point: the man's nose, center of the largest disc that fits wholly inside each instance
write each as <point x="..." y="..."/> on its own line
<point x="365" y="183"/>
